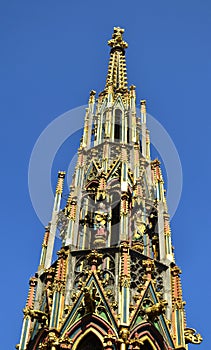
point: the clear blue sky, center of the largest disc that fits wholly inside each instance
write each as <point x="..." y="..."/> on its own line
<point x="52" y="54"/>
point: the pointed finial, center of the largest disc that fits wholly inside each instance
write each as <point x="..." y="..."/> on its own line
<point x="143" y="106"/>
<point x="60" y="182"/>
<point x="117" y="72"/>
<point x="92" y="96"/>
<point x="117" y="40"/>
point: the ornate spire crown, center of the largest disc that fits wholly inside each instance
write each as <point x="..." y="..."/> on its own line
<point x="117" y="73"/>
<point x="117" y="40"/>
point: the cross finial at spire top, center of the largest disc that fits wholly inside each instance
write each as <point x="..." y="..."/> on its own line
<point x="117" y="40"/>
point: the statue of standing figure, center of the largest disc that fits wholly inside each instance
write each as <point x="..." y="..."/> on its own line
<point x="139" y="226"/>
<point x="101" y="218"/>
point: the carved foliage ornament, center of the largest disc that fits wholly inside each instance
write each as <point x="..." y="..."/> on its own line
<point x="192" y="337"/>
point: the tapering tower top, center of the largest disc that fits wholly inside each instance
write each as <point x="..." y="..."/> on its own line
<point x="117" y="74"/>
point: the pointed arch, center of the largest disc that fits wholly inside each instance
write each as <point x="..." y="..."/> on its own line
<point x="148" y="343"/>
<point x="118" y="103"/>
<point x="87" y="325"/>
<point x="117" y="124"/>
<point x="90" y="339"/>
<point x="151" y="337"/>
<point x="103" y="126"/>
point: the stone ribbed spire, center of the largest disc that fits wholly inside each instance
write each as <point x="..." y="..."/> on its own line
<point x="117" y="74"/>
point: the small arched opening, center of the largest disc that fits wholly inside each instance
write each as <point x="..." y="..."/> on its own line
<point x="118" y="125"/>
<point x="103" y="126"/>
<point x="90" y="342"/>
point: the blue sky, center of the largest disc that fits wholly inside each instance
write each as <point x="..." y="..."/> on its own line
<point x="52" y="54"/>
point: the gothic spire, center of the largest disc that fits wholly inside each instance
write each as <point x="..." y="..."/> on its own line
<point x="115" y="284"/>
<point x="117" y="74"/>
